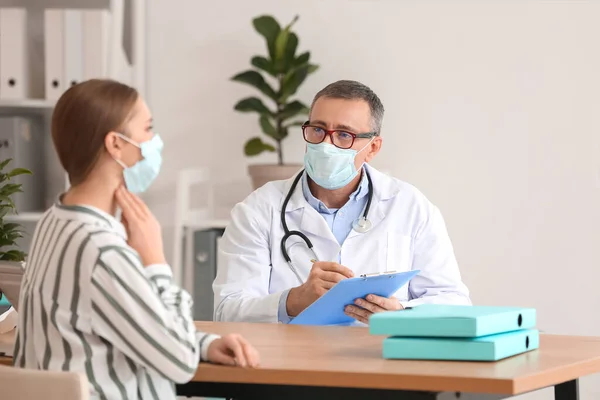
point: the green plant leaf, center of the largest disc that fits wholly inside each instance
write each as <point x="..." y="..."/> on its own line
<point x="10" y="189"/>
<point x="295" y="123"/>
<point x="264" y="64"/>
<point x="252" y="104"/>
<point x="302" y="59"/>
<point x="8" y="200"/>
<point x="268" y="128"/>
<point x="5" y="163"/>
<point x="253" y="78"/>
<point x="286" y="41"/>
<point x="12" y="255"/>
<point x="292" y="109"/>
<point x="284" y="133"/>
<point x="293" y="80"/>
<point x="7" y="228"/>
<point x="255" y="146"/>
<point x="3" y="212"/>
<point x="269" y="28"/>
<point x="19" y="171"/>
<point x="290" y="52"/>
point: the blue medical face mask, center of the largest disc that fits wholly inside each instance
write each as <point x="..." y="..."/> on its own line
<point x="140" y="176"/>
<point x="329" y="166"/>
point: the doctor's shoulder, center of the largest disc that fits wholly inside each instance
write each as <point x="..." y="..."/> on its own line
<point x="261" y="201"/>
<point x="410" y="198"/>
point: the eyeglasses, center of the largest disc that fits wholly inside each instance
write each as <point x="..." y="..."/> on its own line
<point x="339" y="138"/>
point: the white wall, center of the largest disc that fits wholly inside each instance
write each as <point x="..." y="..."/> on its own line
<point x="493" y="110"/>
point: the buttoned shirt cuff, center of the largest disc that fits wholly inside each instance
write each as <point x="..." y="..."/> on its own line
<point x="158" y="269"/>
<point x="282" y="315"/>
<point x="205" y="343"/>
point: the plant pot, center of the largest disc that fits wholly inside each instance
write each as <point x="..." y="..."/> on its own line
<point x="11" y="275"/>
<point x="263" y="173"/>
<point x="8" y="320"/>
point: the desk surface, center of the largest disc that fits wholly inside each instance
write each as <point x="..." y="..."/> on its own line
<point x="350" y="357"/>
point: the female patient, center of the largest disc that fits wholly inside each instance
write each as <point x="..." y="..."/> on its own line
<point x="98" y="296"/>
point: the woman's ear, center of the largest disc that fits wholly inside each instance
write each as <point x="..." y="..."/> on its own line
<point x="113" y="145"/>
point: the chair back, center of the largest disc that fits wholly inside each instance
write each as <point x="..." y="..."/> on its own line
<point x="28" y="384"/>
<point x="185" y="214"/>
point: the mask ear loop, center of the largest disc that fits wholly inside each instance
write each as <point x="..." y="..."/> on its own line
<point x="128" y="140"/>
<point x="366" y="145"/>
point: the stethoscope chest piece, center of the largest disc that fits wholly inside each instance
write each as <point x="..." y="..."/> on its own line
<point x="362" y="225"/>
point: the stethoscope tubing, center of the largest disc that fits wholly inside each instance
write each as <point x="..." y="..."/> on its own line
<point x="307" y="241"/>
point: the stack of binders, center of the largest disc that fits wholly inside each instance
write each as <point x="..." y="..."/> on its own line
<point x="454" y="332"/>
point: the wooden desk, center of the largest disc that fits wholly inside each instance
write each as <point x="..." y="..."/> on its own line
<point x="345" y="363"/>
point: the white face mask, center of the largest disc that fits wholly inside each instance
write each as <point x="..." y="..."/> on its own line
<point x="329" y="166"/>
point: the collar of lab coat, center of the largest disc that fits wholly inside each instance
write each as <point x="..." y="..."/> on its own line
<point x="311" y="222"/>
<point x="384" y="188"/>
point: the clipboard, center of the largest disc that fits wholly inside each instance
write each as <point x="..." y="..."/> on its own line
<point x="329" y="308"/>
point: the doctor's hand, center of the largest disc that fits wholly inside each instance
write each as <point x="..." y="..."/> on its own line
<point x="364" y="308"/>
<point x="143" y="230"/>
<point x="233" y="350"/>
<point x="323" y="276"/>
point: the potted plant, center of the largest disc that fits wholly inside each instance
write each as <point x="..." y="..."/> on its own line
<point x="10" y="232"/>
<point x="286" y="70"/>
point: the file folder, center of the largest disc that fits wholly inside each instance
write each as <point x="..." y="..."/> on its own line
<point x="73" y="38"/>
<point x="96" y="35"/>
<point x="438" y="320"/>
<point x="54" y="52"/>
<point x="488" y="348"/>
<point x="329" y="308"/>
<point x="14" y="66"/>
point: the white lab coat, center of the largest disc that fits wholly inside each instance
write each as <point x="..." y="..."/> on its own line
<point x="408" y="233"/>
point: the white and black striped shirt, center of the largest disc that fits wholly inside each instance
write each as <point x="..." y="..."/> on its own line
<point x="88" y="304"/>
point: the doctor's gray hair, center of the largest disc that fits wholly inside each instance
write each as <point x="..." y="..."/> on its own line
<point x="353" y="90"/>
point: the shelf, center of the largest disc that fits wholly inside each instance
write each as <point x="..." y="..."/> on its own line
<point x="25" y="217"/>
<point x="24" y="105"/>
<point x="208" y="224"/>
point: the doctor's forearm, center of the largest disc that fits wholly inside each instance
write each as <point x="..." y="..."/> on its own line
<point x="249" y="309"/>
<point x="294" y="305"/>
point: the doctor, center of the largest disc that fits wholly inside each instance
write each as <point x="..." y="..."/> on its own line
<point x="358" y="221"/>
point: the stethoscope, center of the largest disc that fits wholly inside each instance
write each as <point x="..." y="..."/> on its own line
<point x="360" y="225"/>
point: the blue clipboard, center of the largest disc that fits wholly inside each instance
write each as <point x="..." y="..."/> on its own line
<point x="329" y="308"/>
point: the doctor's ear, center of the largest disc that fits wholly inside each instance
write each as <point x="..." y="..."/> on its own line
<point x="113" y="145"/>
<point x="374" y="148"/>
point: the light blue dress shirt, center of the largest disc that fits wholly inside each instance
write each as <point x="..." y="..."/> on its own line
<point x="339" y="221"/>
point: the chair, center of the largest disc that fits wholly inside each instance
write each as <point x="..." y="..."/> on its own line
<point x="185" y="215"/>
<point x="29" y="384"/>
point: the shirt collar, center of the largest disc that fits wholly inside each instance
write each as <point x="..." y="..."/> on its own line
<point x="359" y="193"/>
<point x="90" y="215"/>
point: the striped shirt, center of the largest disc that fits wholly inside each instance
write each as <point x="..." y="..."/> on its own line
<point x="87" y="304"/>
